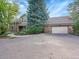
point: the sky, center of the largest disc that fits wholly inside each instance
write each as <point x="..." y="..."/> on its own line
<point x="56" y="8"/>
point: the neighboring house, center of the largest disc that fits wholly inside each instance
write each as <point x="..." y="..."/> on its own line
<point x="53" y="25"/>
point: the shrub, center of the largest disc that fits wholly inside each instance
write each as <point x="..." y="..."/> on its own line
<point x="31" y="30"/>
<point x="21" y="33"/>
<point x="34" y="30"/>
<point x="76" y="27"/>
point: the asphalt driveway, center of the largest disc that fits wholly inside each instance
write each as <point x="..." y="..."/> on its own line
<point x="40" y="46"/>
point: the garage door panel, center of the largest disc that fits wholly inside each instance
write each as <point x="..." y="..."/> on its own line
<point x="59" y="30"/>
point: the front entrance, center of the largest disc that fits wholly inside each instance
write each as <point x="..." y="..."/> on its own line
<point x="60" y="30"/>
<point x="21" y="28"/>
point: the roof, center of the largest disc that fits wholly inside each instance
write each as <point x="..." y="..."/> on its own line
<point x="65" y="20"/>
<point x="23" y="18"/>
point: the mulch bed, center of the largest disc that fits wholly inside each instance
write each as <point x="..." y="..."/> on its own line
<point x="3" y="37"/>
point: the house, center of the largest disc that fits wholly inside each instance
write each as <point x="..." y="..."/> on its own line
<point x="19" y="24"/>
<point x="53" y="25"/>
<point x="59" y="25"/>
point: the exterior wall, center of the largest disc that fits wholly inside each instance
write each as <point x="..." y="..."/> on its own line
<point x="14" y="28"/>
<point x="70" y="29"/>
<point x="48" y="29"/>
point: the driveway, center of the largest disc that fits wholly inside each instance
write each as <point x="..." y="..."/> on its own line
<point x="40" y="46"/>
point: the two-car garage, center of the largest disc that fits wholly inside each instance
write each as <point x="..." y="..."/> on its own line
<point x="60" y="30"/>
<point x="59" y="25"/>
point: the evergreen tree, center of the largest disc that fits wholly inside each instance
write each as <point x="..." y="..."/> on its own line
<point x="74" y="12"/>
<point x="37" y="16"/>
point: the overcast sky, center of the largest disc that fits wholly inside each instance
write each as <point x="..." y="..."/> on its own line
<point x="55" y="7"/>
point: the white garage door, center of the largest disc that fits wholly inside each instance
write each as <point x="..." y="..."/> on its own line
<point x="60" y="30"/>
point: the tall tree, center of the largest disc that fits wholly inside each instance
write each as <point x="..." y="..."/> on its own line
<point x="74" y="11"/>
<point x="8" y="11"/>
<point x="37" y="16"/>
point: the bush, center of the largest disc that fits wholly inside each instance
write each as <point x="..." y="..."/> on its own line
<point x="34" y="30"/>
<point x="2" y="30"/>
<point x="31" y="30"/>
<point x="4" y="34"/>
<point x="76" y="27"/>
<point x="21" y="33"/>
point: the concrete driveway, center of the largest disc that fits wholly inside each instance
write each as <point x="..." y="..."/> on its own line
<point x="40" y="46"/>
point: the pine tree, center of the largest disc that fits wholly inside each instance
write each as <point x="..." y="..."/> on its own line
<point x="37" y="16"/>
